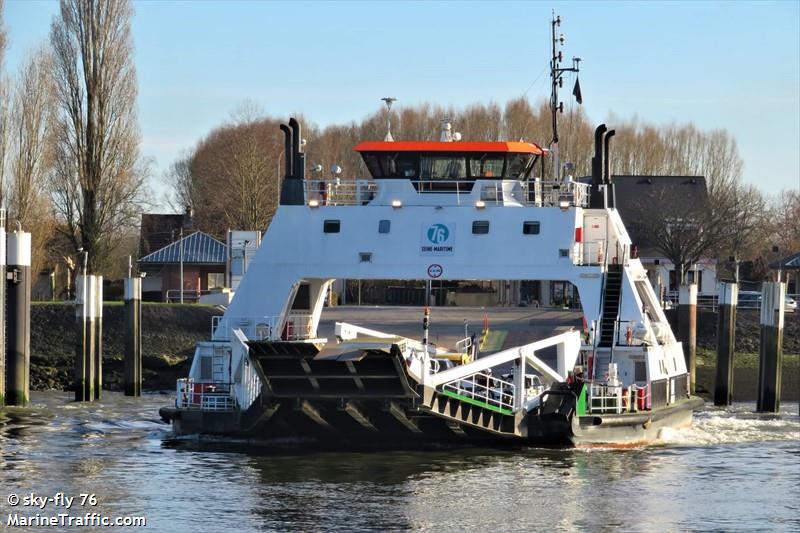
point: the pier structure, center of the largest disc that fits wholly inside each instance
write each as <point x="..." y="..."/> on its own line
<point x="88" y="346"/>
<point x="83" y="363"/>
<point x="726" y="336"/>
<point x="133" y="336"/>
<point x="18" y="335"/>
<point x="97" y="335"/>
<point x="687" y="328"/>
<point x="771" y="347"/>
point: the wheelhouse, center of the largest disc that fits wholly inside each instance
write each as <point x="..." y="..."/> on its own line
<point x="449" y="166"/>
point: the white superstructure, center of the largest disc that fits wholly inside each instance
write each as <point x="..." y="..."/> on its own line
<point x="504" y="224"/>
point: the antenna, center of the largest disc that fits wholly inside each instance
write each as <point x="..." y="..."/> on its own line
<point x="557" y="81"/>
<point x="389" y="100"/>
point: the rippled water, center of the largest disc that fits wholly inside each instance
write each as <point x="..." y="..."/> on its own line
<point x="732" y="471"/>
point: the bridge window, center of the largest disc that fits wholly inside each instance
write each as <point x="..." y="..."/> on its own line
<point x="530" y="227"/>
<point x="519" y="166"/>
<point x="480" y="227"/>
<point x="487" y="166"/>
<point x="443" y="168"/>
<point x="331" y="226"/>
<point x="393" y="165"/>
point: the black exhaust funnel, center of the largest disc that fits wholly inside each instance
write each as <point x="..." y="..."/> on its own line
<point x="292" y="189"/>
<point x="612" y="199"/>
<point x="607" y="157"/>
<point x="287" y="151"/>
<point x="596" y="196"/>
<point x="597" y="161"/>
<point x="299" y="164"/>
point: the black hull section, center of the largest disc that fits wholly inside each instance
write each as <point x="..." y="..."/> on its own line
<point x="366" y="398"/>
<point x="395" y="426"/>
<point x="333" y="424"/>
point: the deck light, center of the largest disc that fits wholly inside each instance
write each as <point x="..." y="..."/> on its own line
<point x="564" y="205"/>
<point x="397" y="204"/>
<point x="480" y="204"/>
<point x="313" y="203"/>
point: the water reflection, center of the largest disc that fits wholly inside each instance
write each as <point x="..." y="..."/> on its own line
<point x="732" y="470"/>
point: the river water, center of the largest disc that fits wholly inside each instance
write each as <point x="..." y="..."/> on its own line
<point x="731" y="471"/>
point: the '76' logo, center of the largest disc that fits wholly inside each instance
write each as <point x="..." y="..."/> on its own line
<point x="438" y="233"/>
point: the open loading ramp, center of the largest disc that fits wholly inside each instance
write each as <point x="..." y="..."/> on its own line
<point x="357" y="392"/>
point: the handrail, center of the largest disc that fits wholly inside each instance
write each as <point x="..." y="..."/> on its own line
<point x="485" y="388"/>
<point x="295" y="327"/>
<point x="204" y="396"/>
<point x="339" y="192"/>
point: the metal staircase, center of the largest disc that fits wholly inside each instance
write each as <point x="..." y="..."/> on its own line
<point x="611" y="301"/>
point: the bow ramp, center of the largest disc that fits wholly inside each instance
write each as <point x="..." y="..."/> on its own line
<point x="377" y="383"/>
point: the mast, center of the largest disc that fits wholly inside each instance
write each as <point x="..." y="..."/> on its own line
<point x="557" y="81"/>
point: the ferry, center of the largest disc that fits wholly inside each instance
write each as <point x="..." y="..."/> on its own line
<point x="451" y="210"/>
<point x="444" y="210"/>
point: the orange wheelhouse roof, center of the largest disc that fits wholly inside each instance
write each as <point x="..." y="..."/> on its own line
<point x="456" y="146"/>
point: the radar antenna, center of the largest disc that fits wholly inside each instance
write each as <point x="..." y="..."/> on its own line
<point x="557" y="81"/>
<point x="388" y="100"/>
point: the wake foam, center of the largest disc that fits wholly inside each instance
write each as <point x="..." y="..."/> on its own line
<point x="735" y="424"/>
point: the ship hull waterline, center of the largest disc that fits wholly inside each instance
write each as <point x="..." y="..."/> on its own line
<point x="296" y="429"/>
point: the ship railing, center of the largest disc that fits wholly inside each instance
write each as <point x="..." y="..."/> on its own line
<point x="248" y="386"/>
<point x="337" y="191"/>
<point x="263" y="328"/>
<point x="557" y="193"/>
<point x="204" y="396"/>
<point x="465" y="347"/>
<point x="532" y="193"/>
<point x="605" y="398"/>
<point x="483" y="389"/>
<point x="589" y="253"/>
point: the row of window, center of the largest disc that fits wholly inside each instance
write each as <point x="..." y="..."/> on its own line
<point x="479" y="227"/>
<point x="465" y="166"/>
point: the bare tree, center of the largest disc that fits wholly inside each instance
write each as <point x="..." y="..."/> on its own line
<point x="688" y="225"/>
<point x="4" y="105"/>
<point x="31" y="143"/>
<point x="98" y="181"/>
<point x="32" y="121"/>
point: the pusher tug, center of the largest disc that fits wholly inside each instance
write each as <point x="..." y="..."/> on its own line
<point x="453" y="210"/>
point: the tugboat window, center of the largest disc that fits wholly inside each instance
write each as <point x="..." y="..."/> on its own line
<point x="480" y="227"/>
<point x="331" y="226"/>
<point x="384" y="226"/>
<point x="530" y="228"/>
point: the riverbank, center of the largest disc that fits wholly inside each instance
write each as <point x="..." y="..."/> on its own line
<point x="169" y="334"/>
<point x="745" y="372"/>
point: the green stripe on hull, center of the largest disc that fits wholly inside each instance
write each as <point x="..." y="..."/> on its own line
<point x="467" y="399"/>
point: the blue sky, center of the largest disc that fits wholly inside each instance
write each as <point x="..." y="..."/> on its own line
<point x="732" y="65"/>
